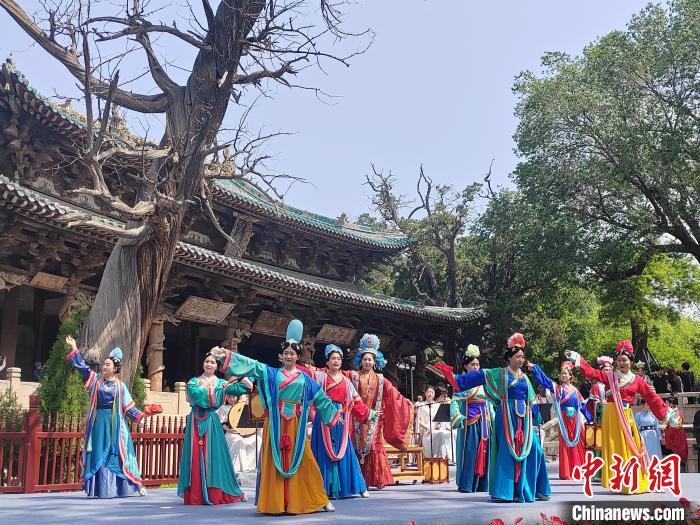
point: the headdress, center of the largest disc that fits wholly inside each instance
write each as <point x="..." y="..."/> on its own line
<point x="516" y="341"/>
<point x="333" y="348"/>
<point x="369" y="344"/>
<point x="566" y="364"/>
<point x="116" y="355"/>
<point x="295" y="331"/>
<point x="604" y="360"/>
<point x="640" y="364"/>
<point x="625" y="347"/>
<point x="470" y="354"/>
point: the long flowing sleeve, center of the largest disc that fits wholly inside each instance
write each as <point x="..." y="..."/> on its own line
<point x="397" y="413"/>
<point x="543" y="379"/>
<point x="235" y="364"/>
<point x="471" y="379"/>
<point x="360" y="411"/>
<point x="129" y="407"/>
<point x="205" y="396"/>
<point x="656" y="404"/>
<point x="591" y="373"/>
<point x="456" y="417"/>
<point x="88" y="374"/>
<point x="324" y="406"/>
<point x="239" y="388"/>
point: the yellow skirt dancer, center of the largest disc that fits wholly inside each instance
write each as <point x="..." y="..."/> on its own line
<point x="620" y="434"/>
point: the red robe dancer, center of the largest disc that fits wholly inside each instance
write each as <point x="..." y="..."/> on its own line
<point x="676" y="441"/>
<point x="395" y="424"/>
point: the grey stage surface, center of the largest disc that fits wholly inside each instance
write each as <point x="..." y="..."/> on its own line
<point x="395" y="505"/>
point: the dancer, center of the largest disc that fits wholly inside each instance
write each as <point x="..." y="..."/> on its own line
<point x="568" y="406"/>
<point x="110" y="468"/>
<point x="517" y="470"/>
<point x="333" y="450"/>
<point x="470" y="414"/>
<point x="597" y="399"/>
<point x="649" y="429"/>
<point x="289" y="480"/>
<point x="394" y="426"/>
<point x="620" y="434"/>
<point x="206" y="471"/>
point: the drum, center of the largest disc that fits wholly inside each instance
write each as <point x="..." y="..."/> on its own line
<point x="257" y="412"/>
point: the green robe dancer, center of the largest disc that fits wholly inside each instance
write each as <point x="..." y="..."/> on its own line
<point x="206" y="471"/>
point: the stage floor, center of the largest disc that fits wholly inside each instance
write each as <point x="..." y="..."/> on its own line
<point x="395" y="505"/>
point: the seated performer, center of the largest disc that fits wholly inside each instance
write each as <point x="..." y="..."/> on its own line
<point x="241" y="445"/>
<point x="435" y="436"/>
<point x="289" y="480"/>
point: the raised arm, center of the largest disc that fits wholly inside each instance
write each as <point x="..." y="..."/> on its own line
<point x="235" y="364"/>
<point x="656" y="404"/>
<point x="243" y="386"/>
<point x="471" y="379"/>
<point x="76" y="359"/>
<point x="588" y="371"/>
<point x="542" y="379"/>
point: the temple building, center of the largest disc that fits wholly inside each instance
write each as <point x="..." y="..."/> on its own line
<point x="287" y="262"/>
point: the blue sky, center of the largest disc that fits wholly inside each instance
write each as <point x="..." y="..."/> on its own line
<point x="433" y="89"/>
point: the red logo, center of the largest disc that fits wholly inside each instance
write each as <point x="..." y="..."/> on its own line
<point x="665" y="474"/>
<point x="587" y="470"/>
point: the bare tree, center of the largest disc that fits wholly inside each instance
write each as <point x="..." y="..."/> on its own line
<point x="240" y="45"/>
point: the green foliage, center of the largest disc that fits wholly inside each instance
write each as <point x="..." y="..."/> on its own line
<point x="10" y="409"/>
<point x="61" y="389"/>
<point x="610" y="143"/>
<point x="138" y="391"/>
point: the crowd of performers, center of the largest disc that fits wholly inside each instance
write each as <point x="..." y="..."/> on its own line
<point x="353" y="414"/>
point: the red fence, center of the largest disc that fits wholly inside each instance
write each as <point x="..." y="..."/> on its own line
<point x="40" y="454"/>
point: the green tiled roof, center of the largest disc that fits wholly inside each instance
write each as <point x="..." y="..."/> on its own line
<point x="238" y="193"/>
<point x="38" y="206"/>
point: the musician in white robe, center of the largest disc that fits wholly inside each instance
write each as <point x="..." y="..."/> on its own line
<point x="241" y="442"/>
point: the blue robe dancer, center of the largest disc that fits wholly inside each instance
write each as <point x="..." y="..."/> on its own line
<point x="110" y="469"/>
<point x="649" y="431"/>
<point x="517" y="469"/>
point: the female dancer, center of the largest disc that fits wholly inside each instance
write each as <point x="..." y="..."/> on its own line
<point x="206" y="472"/>
<point x="289" y="479"/>
<point x="516" y="453"/>
<point x="333" y="450"/>
<point x="568" y="405"/>
<point x="649" y="429"/>
<point x="470" y="414"/>
<point x="110" y="469"/>
<point x="395" y="425"/>
<point x="620" y="434"/>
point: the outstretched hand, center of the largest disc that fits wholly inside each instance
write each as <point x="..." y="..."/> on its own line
<point x="530" y="366"/>
<point x="218" y="352"/>
<point x="71" y="342"/>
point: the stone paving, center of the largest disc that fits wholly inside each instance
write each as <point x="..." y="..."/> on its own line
<point x="395" y="505"/>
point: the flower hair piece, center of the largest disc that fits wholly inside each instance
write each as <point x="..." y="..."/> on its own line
<point x="516" y="341"/>
<point x="333" y="348"/>
<point x="625" y="347"/>
<point x="640" y="364"/>
<point x="472" y="351"/>
<point x="604" y="360"/>
<point x="566" y="364"/>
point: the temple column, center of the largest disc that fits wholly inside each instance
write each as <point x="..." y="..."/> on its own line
<point x="154" y="354"/>
<point x="8" y="330"/>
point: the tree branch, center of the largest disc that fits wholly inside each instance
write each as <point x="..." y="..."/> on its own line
<point x="127" y="99"/>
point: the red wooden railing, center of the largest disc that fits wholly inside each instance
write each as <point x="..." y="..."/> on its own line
<point x="41" y="454"/>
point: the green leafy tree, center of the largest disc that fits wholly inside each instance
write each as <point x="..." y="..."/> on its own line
<point x="61" y="389"/>
<point x="610" y="140"/>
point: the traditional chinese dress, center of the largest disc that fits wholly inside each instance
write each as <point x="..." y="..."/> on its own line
<point x="332" y="447"/>
<point x="436" y="436"/>
<point x="620" y="433"/>
<point x="394" y="426"/>
<point x="110" y="469"/>
<point x="289" y="479"/>
<point x="568" y="405"/>
<point x="649" y="429"/>
<point x="470" y="414"/>
<point x="517" y="469"/>
<point x="206" y="472"/>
